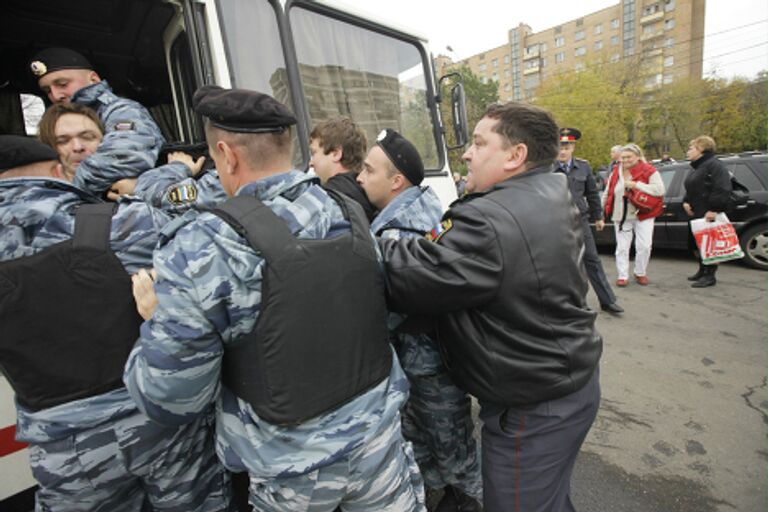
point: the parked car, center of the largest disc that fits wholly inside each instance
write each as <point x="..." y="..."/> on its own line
<point x="751" y="221"/>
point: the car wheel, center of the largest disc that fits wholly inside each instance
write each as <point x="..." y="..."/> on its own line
<point x="754" y="243"/>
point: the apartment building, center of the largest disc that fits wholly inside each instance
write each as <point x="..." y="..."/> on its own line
<point x="662" y="39"/>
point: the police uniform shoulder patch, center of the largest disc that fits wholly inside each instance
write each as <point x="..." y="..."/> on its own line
<point x="124" y="126"/>
<point x="441" y="229"/>
<point x="182" y="194"/>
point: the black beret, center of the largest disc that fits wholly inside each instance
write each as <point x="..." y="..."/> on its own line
<point x="240" y="110"/>
<point x="569" y="134"/>
<point x="54" y="59"/>
<point x="403" y="155"/>
<point x="17" y="151"/>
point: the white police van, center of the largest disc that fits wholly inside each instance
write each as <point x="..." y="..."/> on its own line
<point x="321" y="58"/>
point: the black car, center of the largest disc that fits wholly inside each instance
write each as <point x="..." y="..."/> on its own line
<point x="751" y="221"/>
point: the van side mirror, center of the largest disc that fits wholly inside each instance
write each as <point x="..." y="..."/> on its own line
<point x="458" y="109"/>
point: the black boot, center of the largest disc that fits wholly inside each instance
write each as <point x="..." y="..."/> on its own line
<point x="708" y="278"/>
<point x="456" y="501"/>
<point x="699" y="273"/>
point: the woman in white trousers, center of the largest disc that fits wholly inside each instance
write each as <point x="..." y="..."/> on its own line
<point x="633" y="172"/>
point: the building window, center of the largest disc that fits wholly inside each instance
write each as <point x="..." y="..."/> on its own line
<point x="533" y="63"/>
<point x="506" y="59"/>
<point x="669" y="5"/>
<point x="506" y="73"/>
<point x="495" y="77"/>
<point x="668" y="79"/>
<point x="669" y="24"/>
<point x="614" y="40"/>
<point x="559" y="57"/>
<point x="559" y="41"/>
<point x="649" y="29"/>
<point x="615" y="57"/>
<point x="484" y="79"/>
<point x="598" y="29"/>
<point x="615" y="23"/>
<point x="543" y="62"/>
<point x="669" y="61"/>
<point x="580" y="66"/>
<point x="543" y="47"/>
<point x="508" y="87"/>
<point x="579" y="35"/>
<point x="495" y="63"/>
<point x="483" y="66"/>
<point x="598" y="45"/>
<point x="579" y="51"/>
<point x="650" y="9"/>
<point x="669" y="42"/>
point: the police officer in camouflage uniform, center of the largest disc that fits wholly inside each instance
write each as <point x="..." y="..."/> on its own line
<point x="67" y="76"/>
<point x="437" y="418"/>
<point x="223" y="330"/>
<point x="92" y="450"/>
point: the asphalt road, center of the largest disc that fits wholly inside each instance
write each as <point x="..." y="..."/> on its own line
<point x="684" y="412"/>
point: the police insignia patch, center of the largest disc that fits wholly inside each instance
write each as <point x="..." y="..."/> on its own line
<point x="436" y="234"/>
<point x="123" y="126"/>
<point x="183" y="194"/>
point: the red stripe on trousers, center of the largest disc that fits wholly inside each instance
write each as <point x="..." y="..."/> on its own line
<point x="8" y="443"/>
<point x="517" y="462"/>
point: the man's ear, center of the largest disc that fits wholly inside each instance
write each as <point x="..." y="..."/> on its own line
<point x="93" y="77"/>
<point x="57" y="171"/>
<point x="231" y="159"/>
<point x="398" y="182"/>
<point x="336" y="155"/>
<point x="517" y="155"/>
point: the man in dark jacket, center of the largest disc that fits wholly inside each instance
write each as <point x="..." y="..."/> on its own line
<point x="503" y="277"/>
<point x="337" y="149"/>
<point x="584" y="193"/>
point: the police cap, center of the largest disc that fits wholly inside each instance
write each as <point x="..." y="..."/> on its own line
<point x="402" y="154"/>
<point x="569" y="135"/>
<point x="17" y="151"/>
<point x="55" y="59"/>
<point x="240" y="110"/>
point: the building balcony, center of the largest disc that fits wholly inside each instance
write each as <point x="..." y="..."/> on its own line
<point x="650" y="18"/>
<point x="530" y="71"/>
<point x="531" y="55"/>
<point x="652" y="35"/>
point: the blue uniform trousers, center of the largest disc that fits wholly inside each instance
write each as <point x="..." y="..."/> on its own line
<point x="529" y="451"/>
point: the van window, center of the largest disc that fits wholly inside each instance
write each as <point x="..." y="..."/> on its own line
<point x="255" y="54"/>
<point x="374" y="78"/>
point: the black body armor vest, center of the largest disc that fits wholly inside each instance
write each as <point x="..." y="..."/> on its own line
<point x="321" y="338"/>
<point x="67" y="316"/>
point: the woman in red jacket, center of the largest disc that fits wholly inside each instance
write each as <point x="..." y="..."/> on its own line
<point x="632" y="199"/>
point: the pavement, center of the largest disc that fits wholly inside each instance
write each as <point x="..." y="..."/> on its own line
<point x="684" y="412"/>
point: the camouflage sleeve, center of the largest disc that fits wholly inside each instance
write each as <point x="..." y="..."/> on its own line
<point x="174" y="191"/>
<point x="173" y="372"/>
<point x="136" y="229"/>
<point x="126" y="156"/>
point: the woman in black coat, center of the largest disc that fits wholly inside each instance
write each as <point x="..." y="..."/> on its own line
<point x="707" y="191"/>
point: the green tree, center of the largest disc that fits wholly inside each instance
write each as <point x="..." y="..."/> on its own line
<point x="597" y="101"/>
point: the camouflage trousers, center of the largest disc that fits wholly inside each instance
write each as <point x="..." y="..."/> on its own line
<point x="381" y="475"/>
<point x="131" y="465"/>
<point x="437" y="419"/>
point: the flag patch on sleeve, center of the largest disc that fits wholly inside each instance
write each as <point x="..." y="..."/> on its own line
<point x="437" y="233"/>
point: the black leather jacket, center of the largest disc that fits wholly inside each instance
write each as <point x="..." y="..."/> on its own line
<point x="507" y="287"/>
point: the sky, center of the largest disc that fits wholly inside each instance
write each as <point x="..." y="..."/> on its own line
<point x="735" y="31"/>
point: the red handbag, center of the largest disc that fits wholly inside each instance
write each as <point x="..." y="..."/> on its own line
<point x="645" y="203"/>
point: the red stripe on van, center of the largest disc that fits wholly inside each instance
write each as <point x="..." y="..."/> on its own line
<point x="8" y="443"/>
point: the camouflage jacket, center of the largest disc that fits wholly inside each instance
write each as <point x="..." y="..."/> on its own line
<point x="172" y="188"/>
<point x="131" y="135"/>
<point x="36" y="213"/>
<point x="412" y="213"/>
<point x="208" y="287"/>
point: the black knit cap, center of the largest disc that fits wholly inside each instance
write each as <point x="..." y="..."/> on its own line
<point x="241" y="110"/>
<point x="17" y="151"/>
<point x="55" y="59"/>
<point x="402" y="154"/>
